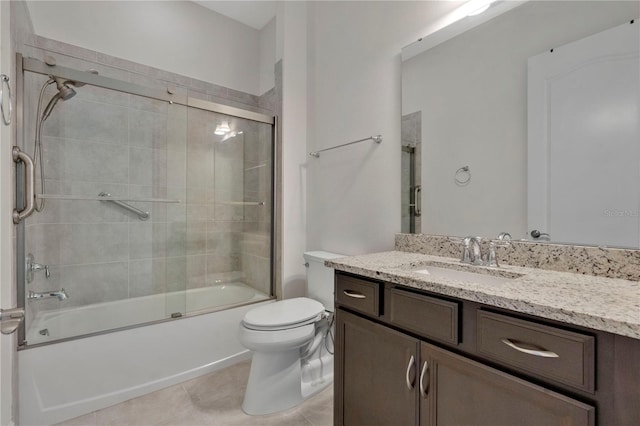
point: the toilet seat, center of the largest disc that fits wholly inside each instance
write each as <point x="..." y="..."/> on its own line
<point x="284" y="314"/>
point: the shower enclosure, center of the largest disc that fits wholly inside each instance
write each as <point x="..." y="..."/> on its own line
<point x="149" y="204"/>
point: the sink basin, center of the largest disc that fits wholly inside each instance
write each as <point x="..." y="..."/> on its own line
<point x="464" y="276"/>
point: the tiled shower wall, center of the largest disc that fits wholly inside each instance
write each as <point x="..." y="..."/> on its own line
<point x="255" y="246"/>
<point x="126" y="145"/>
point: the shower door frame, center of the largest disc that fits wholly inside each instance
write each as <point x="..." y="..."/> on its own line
<point x="36" y="66"/>
<point x="413" y="202"/>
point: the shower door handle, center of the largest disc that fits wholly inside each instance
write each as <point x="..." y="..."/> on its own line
<point x="30" y="182"/>
<point x="417" y="204"/>
<point x="10" y="319"/>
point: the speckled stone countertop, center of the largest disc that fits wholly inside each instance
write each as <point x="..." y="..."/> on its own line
<point x="607" y="304"/>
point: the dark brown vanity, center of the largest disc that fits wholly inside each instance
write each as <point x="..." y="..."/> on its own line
<point x="407" y="356"/>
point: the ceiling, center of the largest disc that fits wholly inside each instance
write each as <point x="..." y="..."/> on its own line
<point x="255" y="14"/>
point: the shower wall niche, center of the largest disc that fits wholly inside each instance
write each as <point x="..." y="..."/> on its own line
<point x="209" y="195"/>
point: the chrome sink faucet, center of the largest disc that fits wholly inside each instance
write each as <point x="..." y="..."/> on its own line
<point x="472" y="250"/>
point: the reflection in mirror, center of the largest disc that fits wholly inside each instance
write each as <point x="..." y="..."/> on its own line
<point x="411" y="175"/>
<point x="471" y="95"/>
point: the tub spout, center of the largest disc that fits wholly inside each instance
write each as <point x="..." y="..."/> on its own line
<point x="60" y="294"/>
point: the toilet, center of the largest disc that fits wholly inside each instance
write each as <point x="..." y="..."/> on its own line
<point x="292" y="343"/>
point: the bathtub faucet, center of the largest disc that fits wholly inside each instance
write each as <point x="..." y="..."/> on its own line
<point x="61" y="295"/>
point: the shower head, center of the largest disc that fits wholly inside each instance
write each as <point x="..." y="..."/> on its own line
<point x="64" y="92"/>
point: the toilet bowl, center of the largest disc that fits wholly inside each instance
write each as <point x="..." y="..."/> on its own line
<point x="292" y="344"/>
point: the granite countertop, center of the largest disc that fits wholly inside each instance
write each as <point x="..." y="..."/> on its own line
<point x="607" y="304"/>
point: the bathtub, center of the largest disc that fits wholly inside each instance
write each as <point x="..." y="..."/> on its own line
<point x="63" y="380"/>
<point x="63" y="323"/>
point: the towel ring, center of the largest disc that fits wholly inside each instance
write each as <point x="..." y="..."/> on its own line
<point x="4" y="81"/>
<point x="462" y="176"/>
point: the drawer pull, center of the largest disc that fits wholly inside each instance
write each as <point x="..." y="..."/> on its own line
<point x="425" y="371"/>
<point x="412" y="362"/>
<point x="536" y="352"/>
<point x="354" y="294"/>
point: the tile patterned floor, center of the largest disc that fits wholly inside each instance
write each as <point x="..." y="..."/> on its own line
<point x="210" y="400"/>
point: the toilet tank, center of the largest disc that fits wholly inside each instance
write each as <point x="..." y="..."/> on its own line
<point x="320" y="278"/>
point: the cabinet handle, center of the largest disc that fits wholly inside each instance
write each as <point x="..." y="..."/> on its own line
<point x="537" y="352"/>
<point x="412" y="362"/>
<point x="425" y="371"/>
<point x="354" y="294"/>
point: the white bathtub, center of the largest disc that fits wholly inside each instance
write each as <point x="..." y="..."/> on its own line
<point x="63" y="380"/>
<point x="78" y="321"/>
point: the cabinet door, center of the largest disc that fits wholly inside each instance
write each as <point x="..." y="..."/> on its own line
<point x="458" y="391"/>
<point x="376" y="374"/>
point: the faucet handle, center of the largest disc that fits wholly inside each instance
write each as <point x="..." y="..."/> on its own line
<point x="466" y="255"/>
<point x="38" y="267"/>
<point x="476" y="251"/>
<point x="491" y="260"/>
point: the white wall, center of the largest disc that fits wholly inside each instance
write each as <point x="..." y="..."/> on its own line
<point x="292" y="46"/>
<point x="354" y="192"/>
<point x="177" y="36"/>
<point x="267" y="56"/>
<point x="472" y="91"/>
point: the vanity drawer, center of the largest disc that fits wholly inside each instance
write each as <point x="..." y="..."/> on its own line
<point x="564" y="356"/>
<point x="427" y="316"/>
<point x="361" y="295"/>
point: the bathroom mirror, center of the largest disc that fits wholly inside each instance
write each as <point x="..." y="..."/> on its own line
<point x="468" y="97"/>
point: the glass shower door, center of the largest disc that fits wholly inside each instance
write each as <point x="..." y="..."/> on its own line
<point x="149" y="207"/>
<point x="97" y="254"/>
<point x="229" y="210"/>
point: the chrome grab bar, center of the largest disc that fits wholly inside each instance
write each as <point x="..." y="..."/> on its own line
<point x="30" y="181"/>
<point x="141" y="214"/>
<point x="537" y="352"/>
<point x="105" y="198"/>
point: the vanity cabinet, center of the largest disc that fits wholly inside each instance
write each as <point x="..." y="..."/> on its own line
<point x="377" y="367"/>
<point x="385" y="377"/>
<point x="459" y="391"/>
<point x="417" y="358"/>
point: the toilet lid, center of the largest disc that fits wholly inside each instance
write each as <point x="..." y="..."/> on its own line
<point x="284" y="314"/>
